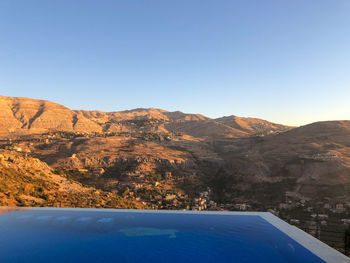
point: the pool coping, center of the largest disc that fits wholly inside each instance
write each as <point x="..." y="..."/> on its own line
<point x="317" y="247"/>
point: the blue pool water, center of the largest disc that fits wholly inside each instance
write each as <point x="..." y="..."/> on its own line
<point x="53" y="235"/>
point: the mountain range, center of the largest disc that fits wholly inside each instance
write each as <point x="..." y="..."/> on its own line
<point x="239" y="159"/>
<point x="23" y="115"/>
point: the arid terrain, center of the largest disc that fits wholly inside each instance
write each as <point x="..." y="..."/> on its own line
<point x="151" y="158"/>
<point x="111" y="150"/>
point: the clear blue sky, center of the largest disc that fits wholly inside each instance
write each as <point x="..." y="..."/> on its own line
<point x="286" y="61"/>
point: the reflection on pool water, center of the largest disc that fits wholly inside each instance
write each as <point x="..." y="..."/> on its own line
<point x="54" y="235"/>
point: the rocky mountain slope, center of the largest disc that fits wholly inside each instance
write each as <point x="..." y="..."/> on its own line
<point x="27" y="181"/>
<point x="23" y="115"/>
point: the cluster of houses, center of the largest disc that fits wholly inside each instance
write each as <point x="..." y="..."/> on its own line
<point x="152" y="136"/>
<point x="318" y="217"/>
<point x="320" y="156"/>
<point x="233" y="207"/>
<point x="200" y="204"/>
<point x="334" y="208"/>
<point x="203" y="202"/>
<point x="157" y="197"/>
<point x="156" y="193"/>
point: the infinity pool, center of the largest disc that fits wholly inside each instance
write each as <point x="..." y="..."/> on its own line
<point x="96" y="235"/>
